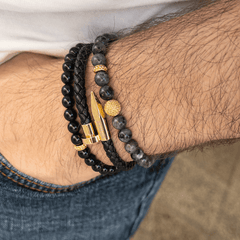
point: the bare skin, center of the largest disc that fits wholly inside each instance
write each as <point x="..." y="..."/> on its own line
<point x="178" y="85"/>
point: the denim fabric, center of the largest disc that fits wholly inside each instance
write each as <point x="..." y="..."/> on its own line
<point x="100" y="209"/>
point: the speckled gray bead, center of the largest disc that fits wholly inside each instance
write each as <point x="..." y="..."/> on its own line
<point x="98" y="59"/>
<point x="101" y="78"/>
<point x="103" y="39"/>
<point x="106" y="92"/>
<point x="125" y="135"/>
<point x="119" y="122"/>
<point x="131" y="146"/>
<point x="146" y="161"/>
<point x="99" y="47"/>
<point x="138" y="154"/>
<point x="106" y="38"/>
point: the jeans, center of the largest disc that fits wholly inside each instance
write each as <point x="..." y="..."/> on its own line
<point x="106" y="207"/>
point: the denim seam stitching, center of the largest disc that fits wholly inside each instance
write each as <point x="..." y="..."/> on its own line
<point x="38" y="184"/>
<point x="23" y="184"/>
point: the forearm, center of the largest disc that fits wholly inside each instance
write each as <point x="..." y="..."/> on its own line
<point x="178" y="87"/>
<point x="178" y="82"/>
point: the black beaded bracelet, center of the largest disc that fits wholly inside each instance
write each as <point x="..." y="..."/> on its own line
<point x="82" y="51"/>
<point x="112" y="107"/>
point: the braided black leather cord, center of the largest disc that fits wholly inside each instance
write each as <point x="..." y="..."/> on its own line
<point x="79" y="83"/>
<point x="114" y="157"/>
<point x="81" y="104"/>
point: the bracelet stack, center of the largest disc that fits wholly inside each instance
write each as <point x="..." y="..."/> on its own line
<point x="74" y="72"/>
<point x="82" y="51"/>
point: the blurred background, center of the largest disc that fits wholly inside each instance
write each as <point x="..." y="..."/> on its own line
<point x="199" y="198"/>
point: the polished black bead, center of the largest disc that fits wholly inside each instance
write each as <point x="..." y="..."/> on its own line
<point x="104" y="170"/>
<point x="67" y="102"/>
<point x="67" y="78"/>
<point x="131" y="146"/>
<point x="84" y="153"/>
<point x="98" y="59"/>
<point x="73" y="127"/>
<point x="76" y="139"/>
<point x="125" y="135"/>
<point x="67" y="90"/>
<point x="111" y="170"/>
<point x="106" y="92"/>
<point x="119" y="122"/>
<point x="90" y="161"/>
<point x="68" y="67"/>
<point x="138" y="154"/>
<point x="97" y="167"/>
<point x="99" y="47"/>
<point x="101" y="78"/>
<point x="70" y="114"/>
<point x="74" y="51"/>
<point x="69" y="58"/>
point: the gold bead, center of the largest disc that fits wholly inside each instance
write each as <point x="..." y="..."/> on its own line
<point x="98" y="68"/>
<point x="81" y="147"/>
<point x="112" y="108"/>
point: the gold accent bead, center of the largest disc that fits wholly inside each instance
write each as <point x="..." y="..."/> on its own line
<point x="112" y="108"/>
<point x="81" y="147"/>
<point x="98" y="68"/>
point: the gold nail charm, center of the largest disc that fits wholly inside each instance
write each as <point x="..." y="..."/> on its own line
<point x="99" y="118"/>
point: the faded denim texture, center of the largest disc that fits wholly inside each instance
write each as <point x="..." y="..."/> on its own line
<point x="100" y="209"/>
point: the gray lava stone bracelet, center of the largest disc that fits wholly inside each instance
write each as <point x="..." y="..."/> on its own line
<point x="119" y="122"/>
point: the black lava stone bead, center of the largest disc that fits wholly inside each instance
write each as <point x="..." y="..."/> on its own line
<point x="138" y="154"/>
<point x="67" y="78"/>
<point x="125" y="135"/>
<point x="98" y="59"/>
<point x="131" y="146"/>
<point x="67" y="101"/>
<point x="73" y="127"/>
<point x="99" y="47"/>
<point x="119" y="122"/>
<point x="76" y="139"/>
<point x="101" y="78"/>
<point x="70" y="114"/>
<point x="106" y="92"/>
<point x="85" y="153"/>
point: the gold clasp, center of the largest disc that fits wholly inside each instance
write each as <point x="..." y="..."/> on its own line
<point x="100" y="124"/>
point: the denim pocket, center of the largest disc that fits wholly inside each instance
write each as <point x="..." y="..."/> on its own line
<point x="24" y="180"/>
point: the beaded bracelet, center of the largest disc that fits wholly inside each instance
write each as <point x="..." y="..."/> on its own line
<point x="70" y="114"/>
<point x="112" y="107"/>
